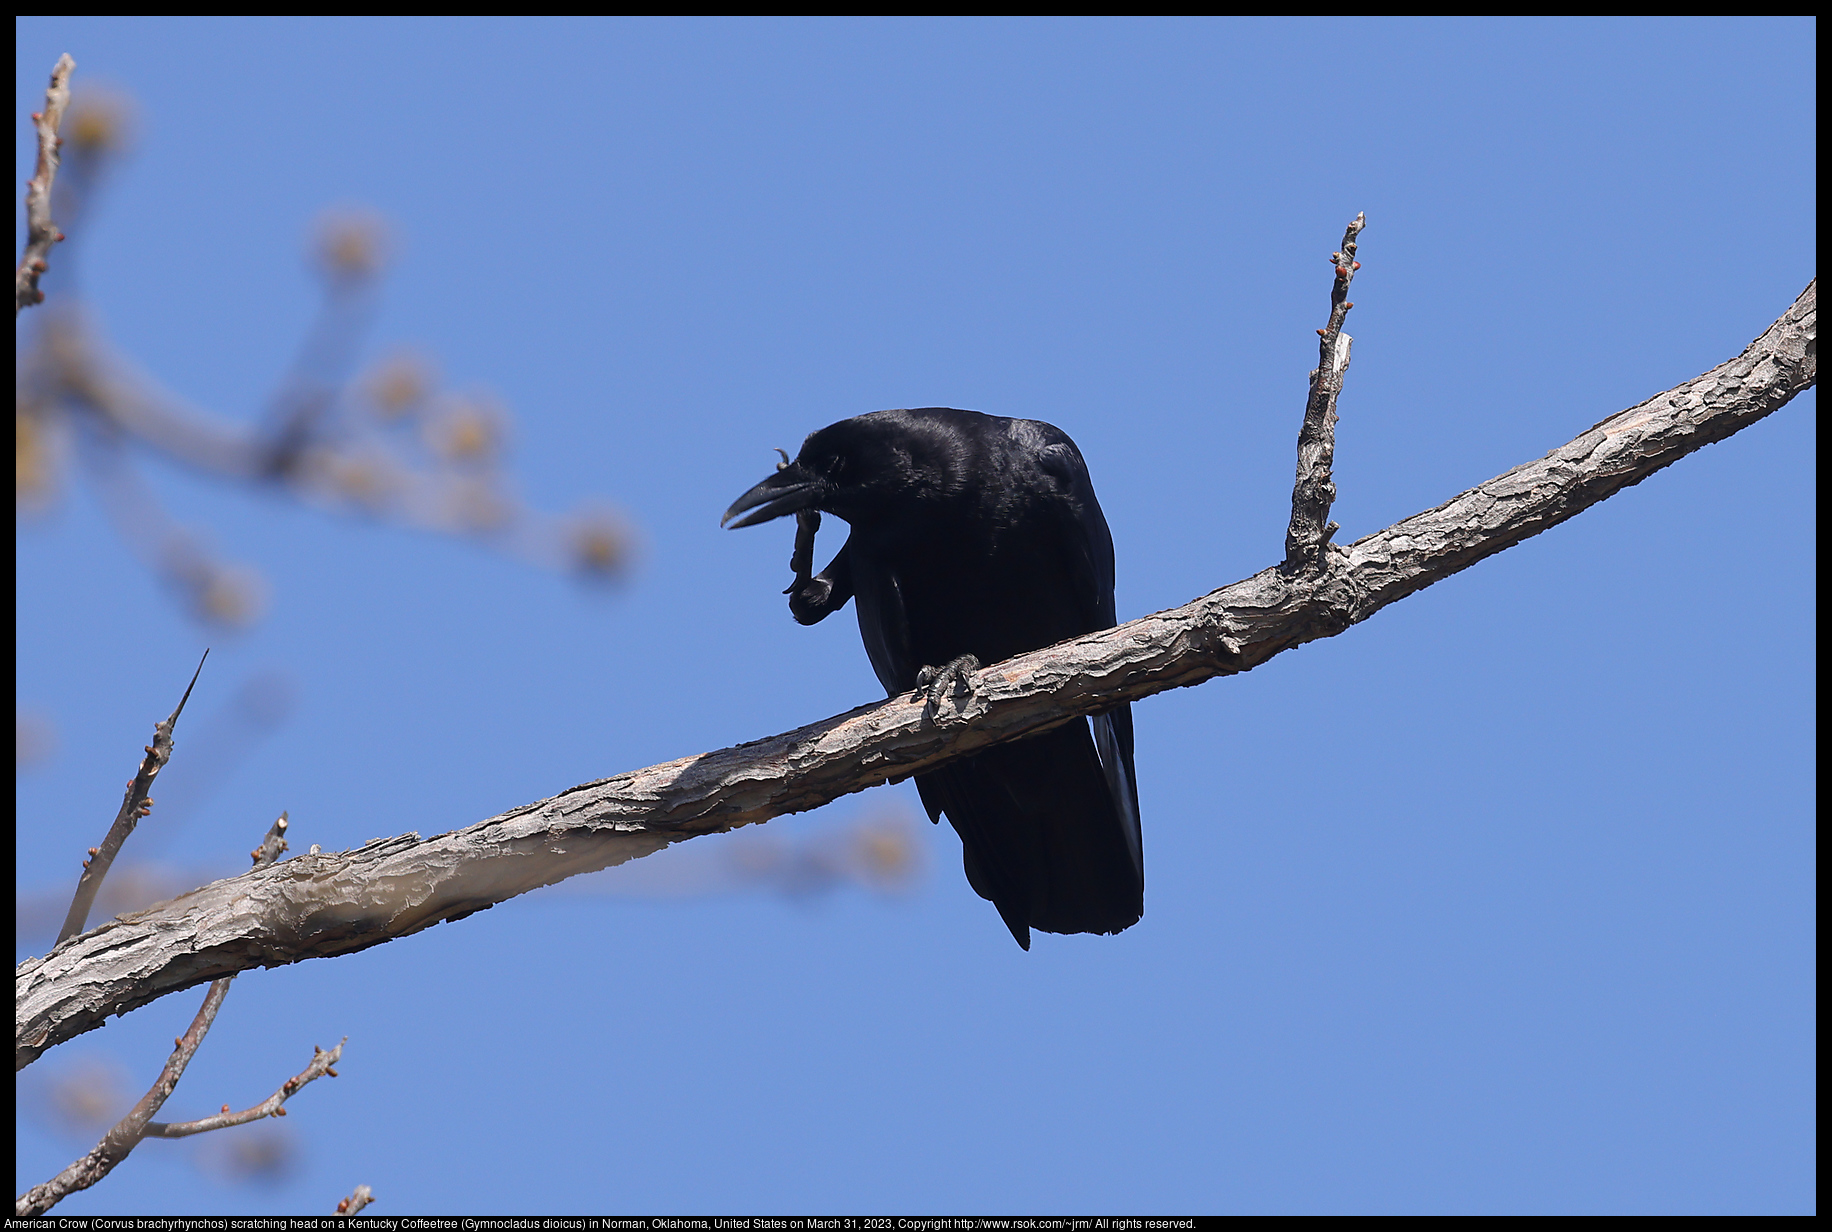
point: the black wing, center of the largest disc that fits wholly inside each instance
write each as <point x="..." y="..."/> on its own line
<point x="1049" y="825"/>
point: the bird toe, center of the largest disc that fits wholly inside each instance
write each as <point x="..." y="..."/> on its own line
<point x="950" y="680"/>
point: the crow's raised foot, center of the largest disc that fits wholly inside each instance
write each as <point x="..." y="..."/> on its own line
<point x="952" y="678"/>
<point x="813" y="599"/>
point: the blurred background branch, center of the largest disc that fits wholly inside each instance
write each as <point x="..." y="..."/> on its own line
<point x="381" y="440"/>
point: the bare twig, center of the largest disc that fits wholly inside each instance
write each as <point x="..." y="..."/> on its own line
<point x="1314" y="491"/>
<point x="332" y="903"/>
<point x="273" y="1105"/>
<point x="138" y="1124"/>
<point x="356" y="1201"/>
<point x="120" y="1141"/>
<point x="40" y="231"/>
<point x="136" y="804"/>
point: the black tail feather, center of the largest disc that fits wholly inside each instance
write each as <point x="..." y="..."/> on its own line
<point x="1049" y="834"/>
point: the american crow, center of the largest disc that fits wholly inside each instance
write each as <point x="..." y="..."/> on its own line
<point x="975" y="538"/>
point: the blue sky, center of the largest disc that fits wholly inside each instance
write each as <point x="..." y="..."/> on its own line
<point x="1501" y="902"/>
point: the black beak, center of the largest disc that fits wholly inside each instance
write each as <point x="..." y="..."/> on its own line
<point x="788" y="490"/>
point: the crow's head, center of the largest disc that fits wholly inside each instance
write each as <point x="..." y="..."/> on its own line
<point x="877" y="464"/>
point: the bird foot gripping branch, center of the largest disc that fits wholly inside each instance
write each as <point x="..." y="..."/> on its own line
<point x="947" y="683"/>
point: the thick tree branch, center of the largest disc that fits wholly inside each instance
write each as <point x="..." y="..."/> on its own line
<point x="136" y="804"/>
<point x="40" y="231"/>
<point x="330" y="903"/>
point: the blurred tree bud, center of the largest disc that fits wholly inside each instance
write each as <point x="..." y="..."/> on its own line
<point x="351" y="245"/>
<point x="99" y="122"/>
<point x="263" y="1155"/>
<point x="228" y="596"/>
<point x="35" y="739"/>
<point x="35" y="467"/>
<point x="400" y="385"/>
<point x="89" y="1097"/>
<point x="888" y="854"/>
<point x="470" y="430"/>
<point x="371" y="481"/>
<point x="599" y="544"/>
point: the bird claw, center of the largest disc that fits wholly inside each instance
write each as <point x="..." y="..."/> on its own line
<point x="935" y="683"/>
<point x="810" y="600"/>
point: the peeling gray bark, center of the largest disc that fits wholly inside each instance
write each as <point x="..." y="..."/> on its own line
<point x="332" y="903"/>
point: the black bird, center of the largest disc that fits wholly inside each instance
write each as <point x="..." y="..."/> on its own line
<point x="976" y="538"/>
